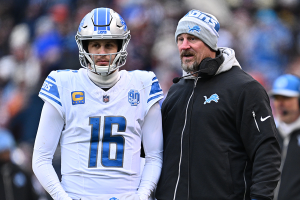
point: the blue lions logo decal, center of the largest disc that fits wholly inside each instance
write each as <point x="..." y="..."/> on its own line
<point x="81" y="24"/>
<point x="195" y="28"/>
<point x="213" y="97"/>
<point x="123" y="23"/>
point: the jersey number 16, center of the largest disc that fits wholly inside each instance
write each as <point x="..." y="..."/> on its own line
<point x="107" y="141"/>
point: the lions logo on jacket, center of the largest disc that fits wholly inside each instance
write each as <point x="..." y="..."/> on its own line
<point x="213" y="97"/>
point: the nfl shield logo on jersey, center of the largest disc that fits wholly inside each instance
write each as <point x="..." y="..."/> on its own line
<point x="133" y="97"/>
<point x="105" y="98"/>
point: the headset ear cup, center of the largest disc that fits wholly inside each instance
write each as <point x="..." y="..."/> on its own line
<point x="203" y="64"/>
<point x="209" y="66"/>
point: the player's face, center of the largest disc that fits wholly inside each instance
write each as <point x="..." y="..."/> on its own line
<point x="103" y="47"/>
<point x="286" y="108"/>
<point x="192" y="51"/>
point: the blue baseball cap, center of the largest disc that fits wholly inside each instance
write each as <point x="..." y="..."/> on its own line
<point x="7" y="141"/>
<point x="286" y="85"/>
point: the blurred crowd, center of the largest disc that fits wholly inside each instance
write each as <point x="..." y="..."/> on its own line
<point x="38" y="36"/>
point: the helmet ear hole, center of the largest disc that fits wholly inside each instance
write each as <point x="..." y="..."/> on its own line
<point x="120" y="44"/>
<point x="85" y="44"/>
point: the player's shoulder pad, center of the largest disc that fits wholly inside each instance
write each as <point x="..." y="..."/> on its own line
<point x="65" y="75"/>
<point x="150" y="84"/>
<point x="49" y="90"/>
<point x="146" y="77"/>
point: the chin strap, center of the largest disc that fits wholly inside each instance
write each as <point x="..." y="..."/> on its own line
<point x="104" y="81"/>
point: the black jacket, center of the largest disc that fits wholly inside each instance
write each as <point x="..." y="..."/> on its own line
<point x="290" y="177"/>
<point x="225" y="155"/>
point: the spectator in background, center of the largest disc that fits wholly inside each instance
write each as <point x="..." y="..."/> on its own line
<point x="19" y="74"/>
<point x="47" y="45"/>
<point x="15" y="183"/>
<point x="269" y="43"/>
<point x="286" y="94"/>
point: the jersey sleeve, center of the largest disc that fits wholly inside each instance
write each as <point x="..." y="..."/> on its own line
<point x="154" y="92"/>
<point x="46" y="141"/>
<point x="51" y="92"/>
<point x="152" y="131"/>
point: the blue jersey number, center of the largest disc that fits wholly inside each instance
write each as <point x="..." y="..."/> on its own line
<point x="107" y="141"/>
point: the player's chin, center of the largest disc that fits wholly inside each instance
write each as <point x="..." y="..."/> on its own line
<point x="102" y="63"/>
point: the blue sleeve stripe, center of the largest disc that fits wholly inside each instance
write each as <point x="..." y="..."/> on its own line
<point x="67" y="70"/>
<point x="154" y="78"/>
<point x="154" y="97"/>
<point x="49" y="97"/>
<point x="51" y="78"/>
<point x="51" y="88"/>
<point x="155" y="88"/>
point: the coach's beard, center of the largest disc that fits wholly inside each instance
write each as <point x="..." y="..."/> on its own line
<point x="189" y="68"/>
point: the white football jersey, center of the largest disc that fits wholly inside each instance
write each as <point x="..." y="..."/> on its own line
<point x="101" y="139"/>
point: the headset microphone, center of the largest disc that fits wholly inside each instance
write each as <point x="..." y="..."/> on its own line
<point x="286" y="112"/>
<point x="176" y="79"/>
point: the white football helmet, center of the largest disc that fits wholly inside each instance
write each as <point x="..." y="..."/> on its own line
<point x="102" y="23"/>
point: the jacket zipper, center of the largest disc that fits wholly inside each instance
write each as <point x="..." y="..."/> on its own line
<point x="195" y="82"/>
<point x="178" y="177"/>
<point x="255" y="120"/>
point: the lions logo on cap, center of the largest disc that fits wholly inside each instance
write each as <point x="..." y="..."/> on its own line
<point x="195" y="28"/>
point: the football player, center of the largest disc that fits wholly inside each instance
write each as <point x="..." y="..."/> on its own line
<point x="99" y="116"/>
